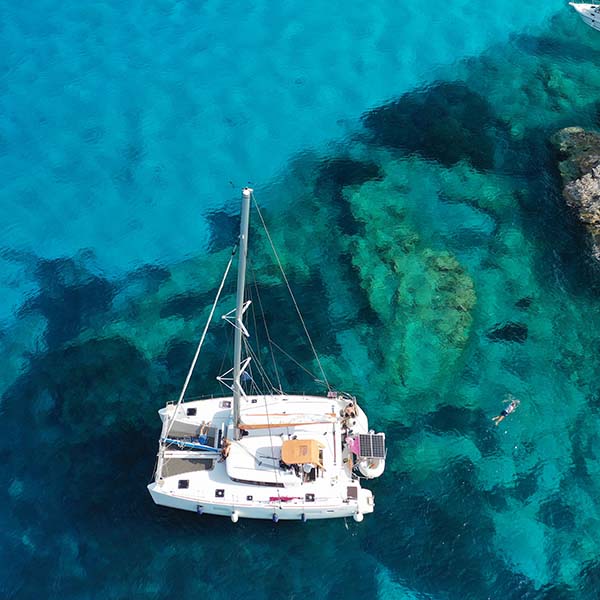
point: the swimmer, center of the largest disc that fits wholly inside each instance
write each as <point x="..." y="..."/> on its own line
<point x="510" y="408"/>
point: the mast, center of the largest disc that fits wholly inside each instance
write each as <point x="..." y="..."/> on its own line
<point x="239" y="310"/>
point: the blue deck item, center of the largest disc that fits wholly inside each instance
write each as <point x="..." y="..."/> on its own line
<point x="192" y="445"/>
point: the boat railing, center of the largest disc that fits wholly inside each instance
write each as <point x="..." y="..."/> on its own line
<point x="194" y="398"/>
<point x="286" y="393"/>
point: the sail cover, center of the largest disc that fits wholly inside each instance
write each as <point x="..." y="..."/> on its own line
<point x="300" y="452"/>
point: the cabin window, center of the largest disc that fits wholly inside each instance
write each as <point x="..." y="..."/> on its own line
<point x="263" y="483"/>
<point x="219" y="493"/>
<point x="225" y="404"/>
<point x="191" y="412"/>
<point x="183" y="484"/>
<point x="309" y="497"/>
<point x="249" y="498"/>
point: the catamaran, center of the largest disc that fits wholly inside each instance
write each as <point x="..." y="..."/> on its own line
<point x="589" y="13"/>
<point x="262" y="453"/>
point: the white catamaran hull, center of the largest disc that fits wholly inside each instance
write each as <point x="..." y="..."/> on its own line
<point x="252" y="482"/>
<point x="589" y="13"/>
<point x="281" y="510"/>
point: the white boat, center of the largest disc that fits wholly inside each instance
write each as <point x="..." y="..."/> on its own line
<point x="264" y="454"/>
<point x="589" y="13"/>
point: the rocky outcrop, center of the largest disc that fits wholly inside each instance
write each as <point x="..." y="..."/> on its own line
<point x="580" y="171"/>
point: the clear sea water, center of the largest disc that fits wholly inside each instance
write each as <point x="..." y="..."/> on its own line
<point x="401" y="154"/>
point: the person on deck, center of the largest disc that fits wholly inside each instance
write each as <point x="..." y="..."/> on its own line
<point x="350" y="411"/>
<point x="202" y="433"/>
<point x="510" y="408"/>
<point x="225" y="448"/>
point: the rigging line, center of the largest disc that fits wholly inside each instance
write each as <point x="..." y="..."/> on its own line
<point x="228" y="351"/>
<point x="258" y="345"/>
<point x="294" y="360"/>
<point x="265" y="384"/>
<point x="260" y="368"/>
<point x="155" y="469"/>
<point x="253" y="386"/>
<point x="254" y="456"/>
<point x="263" y="374"/>
<point x="275" y="467"/>
<point x="291" y="294"/>
<point x="262" y="312"/>
<point x="253" y="313"/>
<point x="210" y="316"/>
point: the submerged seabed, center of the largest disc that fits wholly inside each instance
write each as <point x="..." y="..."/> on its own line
<point x="439" y="271"/>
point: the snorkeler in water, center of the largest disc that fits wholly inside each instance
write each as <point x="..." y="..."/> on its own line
<point x="510" y="408"/>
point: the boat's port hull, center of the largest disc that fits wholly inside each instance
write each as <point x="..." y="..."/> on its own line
<point x="282" y="510"/>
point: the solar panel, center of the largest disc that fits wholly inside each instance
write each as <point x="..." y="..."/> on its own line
<point x="372" y="445"/>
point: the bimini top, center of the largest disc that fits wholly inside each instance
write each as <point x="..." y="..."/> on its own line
<point x="300" y="452"/>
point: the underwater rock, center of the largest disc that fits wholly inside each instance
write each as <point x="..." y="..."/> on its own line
<point x="344" y="171"/>
<point x="424" y="296"/>
<point x="508" y="332"/>
<point x="524" y="302"/>
<point x="447" y="122"/>
<point x="579" y="166"/>
<point x="89" y="389"/>
<point x="224" y="229"/>
<point x="186" y="306"/>
<point x="333" y="175"/>
<point x="69" y="297"/>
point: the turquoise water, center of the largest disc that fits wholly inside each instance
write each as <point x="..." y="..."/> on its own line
<point x="401" y="155"/>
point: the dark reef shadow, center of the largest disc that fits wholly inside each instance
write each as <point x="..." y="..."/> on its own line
<point x="333" y="175"/>
<point x="224" y="229"/>
<point x="446" y="121"/>
<point x="68" y="297"/>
